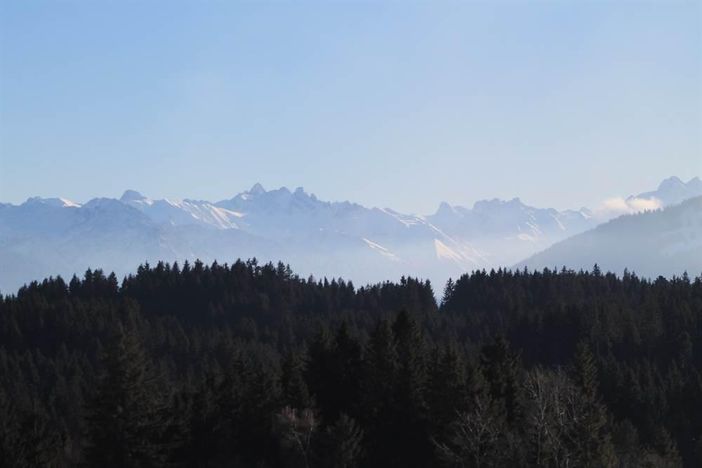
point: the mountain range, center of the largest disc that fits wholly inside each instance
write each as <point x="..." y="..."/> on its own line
<point x="51" y="236"/>
<point x="663" y="242"/>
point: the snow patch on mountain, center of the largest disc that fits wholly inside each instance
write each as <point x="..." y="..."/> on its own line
<point x="56" y="202"/>
<point x="381" y="250"/>
<point x="505" y="231"/>
<point x="443" y="251"/>
<point x="182" y="212"/>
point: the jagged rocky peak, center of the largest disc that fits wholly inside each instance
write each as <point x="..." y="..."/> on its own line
<point x="497" y="203"/>
<point x="257" y="189"/>
<point x="131" y="195"/>
<point x="671" y="182"/>
<point x="445" y="211"/>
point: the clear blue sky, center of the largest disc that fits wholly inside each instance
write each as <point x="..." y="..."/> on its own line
<point x="389" y="104"/>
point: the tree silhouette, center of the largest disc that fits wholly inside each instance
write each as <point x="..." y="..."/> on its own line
<point x="127" y="417"/>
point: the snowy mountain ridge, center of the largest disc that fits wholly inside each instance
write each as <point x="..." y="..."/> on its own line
<point x="49" y="236"/>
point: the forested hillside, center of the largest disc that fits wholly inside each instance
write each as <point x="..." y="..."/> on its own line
<point x="663" y="242"/>
<point x="250" y="365"/>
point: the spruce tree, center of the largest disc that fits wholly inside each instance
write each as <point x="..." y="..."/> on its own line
<point x="319" y="370"/>
<point x="411" y="425"/>
<point x="127" y="416"/>
<point x="501" y="367"/>
<point x="293" y="386"/>
<point x="412" y="373"/>
<point x="346" y="374"/>
<point x="447" y="392"/>
<point x="379" y="383"/>
<point x="592" y="440"/>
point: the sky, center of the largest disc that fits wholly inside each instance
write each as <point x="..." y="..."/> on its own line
<point x="391" y="104"/>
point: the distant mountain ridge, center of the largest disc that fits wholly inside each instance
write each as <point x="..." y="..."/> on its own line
<point x="673" y="190"/>
<point x="508" y="230"/>
<point x="51" y="236"/>
<point x="662" y="242"/>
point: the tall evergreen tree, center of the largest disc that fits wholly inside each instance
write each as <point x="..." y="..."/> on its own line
<point x="346" y="373"/>
<point x="593" y="441"/>
<point x="379" y="382"/>
<point x="128" y="414"/>
<point x="410" y="415"/>
<point x="447" y="390"/>
<point x="501" y="367"/>
<point x="294" y="388"/>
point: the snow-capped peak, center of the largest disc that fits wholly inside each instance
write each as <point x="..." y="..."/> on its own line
<point x="182" y="212"/>
<point x="55" y="201"/>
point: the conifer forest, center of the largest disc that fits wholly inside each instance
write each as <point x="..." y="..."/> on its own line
<point x="250" y="365"/>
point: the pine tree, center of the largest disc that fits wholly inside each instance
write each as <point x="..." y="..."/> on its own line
<point x="319" y="371"/>
<point x="592" y="440"/>
<point x="201" y="422"/>
<point x="411" y="425"/>
<point x="346" y="373"/>
<point x="501" y="368"/>
<point x="448" y="292"/>
<point x="379" y="383"/>
<point x="294" y="389"/>
<point x="447" y="391"/>
<point x="412" y="373"/>
<point x="380" y="371"/>
<point x="586" y="370"/>
<point x="127" y="417"/>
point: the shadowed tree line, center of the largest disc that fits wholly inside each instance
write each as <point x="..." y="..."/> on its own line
<point x="250" y="365"/>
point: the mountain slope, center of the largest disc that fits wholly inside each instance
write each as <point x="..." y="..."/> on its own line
<point x="507" y="231"/>
<point x="184" y="212"/>
<point x="663" y="242"/>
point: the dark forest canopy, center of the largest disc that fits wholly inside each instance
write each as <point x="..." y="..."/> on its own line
<point x="250" y="365"/>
